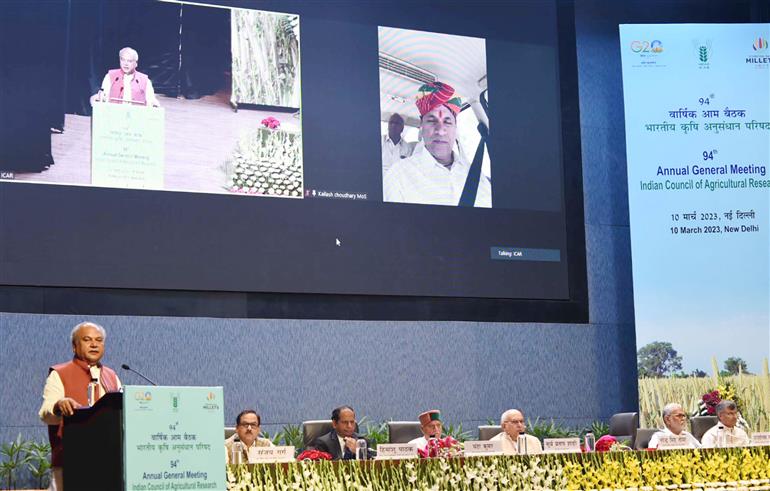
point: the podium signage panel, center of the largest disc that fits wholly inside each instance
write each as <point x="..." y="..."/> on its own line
<point x="391" y="451"/>
<point x="561" y="445"/>
<point x="173" y="438"/>
<point x="265" y="455"/>
<point x="483" y="448"/>
<point x="127" y="146"/>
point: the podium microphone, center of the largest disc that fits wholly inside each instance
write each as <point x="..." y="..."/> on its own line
<point x="126" y="367"/>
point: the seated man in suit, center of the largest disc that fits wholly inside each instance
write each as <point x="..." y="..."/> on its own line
<point x="675" y="420"/>
<point x="247" y="429"/>
<point x="431" y="426"/>
<point x="514" y="434"/>
<point x="342" y="442"/>
<point x="725" y="433"/>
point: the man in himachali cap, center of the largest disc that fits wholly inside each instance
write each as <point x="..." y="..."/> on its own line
<point x="431" y="426"/>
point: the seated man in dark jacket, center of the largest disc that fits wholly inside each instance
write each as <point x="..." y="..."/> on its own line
<point x="342" y="441"/>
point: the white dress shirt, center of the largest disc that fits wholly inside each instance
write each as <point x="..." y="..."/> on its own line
<point x="393" y="152"/>
<point x="422" y="179"/>
<point x="732" y="437"/>
<point x="511" y="446"/>
<point x="691" y="440"/>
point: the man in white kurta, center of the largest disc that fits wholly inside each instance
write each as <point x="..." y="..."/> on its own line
<point x="675" y="421"/>
<point x="436" y="175"/>
<point x="725" y="433"/>
<point x="431" y="427"/>
<point x="394" y="148"/>
<point x="514" y="428"/>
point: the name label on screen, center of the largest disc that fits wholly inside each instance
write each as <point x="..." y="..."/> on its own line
<point x="561" y="445"/>
<point x="389" y="451"/>
<point x="490" y="447"/>
<point x="264" y="455"/>
<point x="760" y="439"/>
<point x="672" y="442"/>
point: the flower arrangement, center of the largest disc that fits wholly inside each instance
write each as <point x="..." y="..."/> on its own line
<point x="267" y="162"/>
<point x="606" y="443"/>
<point x="441" y="447"/>
<point x="312" y="454"/>
<point x="271" y="123"/>
<point x="708" y="403"/>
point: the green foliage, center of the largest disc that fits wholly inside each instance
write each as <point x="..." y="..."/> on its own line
<point x="658" y="359"/>
<point x="456" y="432"/>
<point x="290" y="435"/>
<point x="549" y="429"/>
<point x="14" y="458"/>
<point x="735" y="365"/>
<point x="698" y="373"/>
<point x="598" y="428"/>
<point x="39" y="463"/>
<point x="373" y="432"/>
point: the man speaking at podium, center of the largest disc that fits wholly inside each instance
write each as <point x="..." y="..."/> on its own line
<point x="73" y="385"/>
<point x="126" y="84"/>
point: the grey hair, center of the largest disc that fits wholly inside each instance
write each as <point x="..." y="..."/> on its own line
<point x="129" y="51"/>
<point x="509" y="413"/>
<point x="669" y="408"/>
<point x="75" y="330"/>
<point x="725" y="404"/>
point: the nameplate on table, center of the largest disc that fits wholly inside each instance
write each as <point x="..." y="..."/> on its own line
<point x="673" y="442"/>
<point x="390" y="451"/>
<point x="483" y="447"/>
<point x="561" y="445"/>
<point x="265" y="455"/>
<point x="760" y="439"/>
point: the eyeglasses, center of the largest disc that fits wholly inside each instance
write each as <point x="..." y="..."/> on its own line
<point x="679" y="416"/>
<point x="246" y="425"/>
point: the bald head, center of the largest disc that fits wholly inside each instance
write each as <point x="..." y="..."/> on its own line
<point x="513" y="424"/>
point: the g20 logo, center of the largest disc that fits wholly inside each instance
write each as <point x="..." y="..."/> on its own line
<point x="647" y="46"/>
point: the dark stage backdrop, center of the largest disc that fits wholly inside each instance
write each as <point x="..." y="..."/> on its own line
<point x="396" y="261"/>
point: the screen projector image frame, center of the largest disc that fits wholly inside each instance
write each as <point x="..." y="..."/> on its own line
<point x="198" y="144"/>
<point x="336" y="258"/>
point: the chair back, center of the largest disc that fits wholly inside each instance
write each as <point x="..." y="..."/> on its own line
<point x="229" y="431"/>
<point x="314" y="428"/>
<point x="623" y="426"/>
<point x="643" y="436"/>
<point x="701" y="424"/>
<point x="403" y="431"/>
<point x="486" y="432"/>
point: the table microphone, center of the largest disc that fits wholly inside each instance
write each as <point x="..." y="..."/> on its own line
<point x="126" y="367"/>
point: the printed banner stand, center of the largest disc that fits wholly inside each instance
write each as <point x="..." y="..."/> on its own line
<point x="173" y="438"/>
<point x="127" y="146"/>
<point x="147" y="438"/>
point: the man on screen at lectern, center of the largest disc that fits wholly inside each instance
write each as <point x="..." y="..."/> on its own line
<point x="431" y="426"/>
<point x="72" y="385"/>
<point x="514" y="435"/>
<point x="126" y="84"/>
<point x="247" y="428"/>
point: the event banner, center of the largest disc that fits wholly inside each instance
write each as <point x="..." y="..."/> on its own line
<point x="173" y="438"/>
<point x="127" y="144"/>
<point x="697" y="115"/>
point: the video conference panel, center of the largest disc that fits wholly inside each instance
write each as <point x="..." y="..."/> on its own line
<point x="298" y="149"/>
